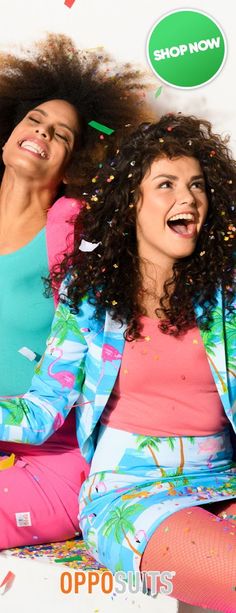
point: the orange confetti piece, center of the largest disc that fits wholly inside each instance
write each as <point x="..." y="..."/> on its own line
<point x="69" y="3"/>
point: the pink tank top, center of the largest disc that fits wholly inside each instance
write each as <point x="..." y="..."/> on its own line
<point x="165" y="387"/>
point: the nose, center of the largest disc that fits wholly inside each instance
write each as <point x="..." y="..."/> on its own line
<point x="185" y="196"/>
<point x="43" y="131"/>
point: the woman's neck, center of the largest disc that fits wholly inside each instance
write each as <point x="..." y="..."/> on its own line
<point x="23" y="213"/>
<point x="154" y="277"/>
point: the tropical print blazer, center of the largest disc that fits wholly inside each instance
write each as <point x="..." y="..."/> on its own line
<point x="80" y="367"/>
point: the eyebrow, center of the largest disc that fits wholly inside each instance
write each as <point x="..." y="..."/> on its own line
<point x="63" y="125"/>
<point x="174" y="177"/>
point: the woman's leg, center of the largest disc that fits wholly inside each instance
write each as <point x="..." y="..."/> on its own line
<point x="226" y="510"/>
<point x="201" y="548"/>
<point x="39" y="499"/>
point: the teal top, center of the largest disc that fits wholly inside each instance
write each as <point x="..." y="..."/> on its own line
<point x="25" y="313"/>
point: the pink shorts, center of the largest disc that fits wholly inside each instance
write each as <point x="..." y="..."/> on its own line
<point x="39" y="498"/>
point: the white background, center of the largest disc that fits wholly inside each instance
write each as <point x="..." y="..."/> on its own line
<point x="122" y="27"/>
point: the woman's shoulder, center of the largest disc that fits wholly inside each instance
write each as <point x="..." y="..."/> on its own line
<point x="63" y="209"/>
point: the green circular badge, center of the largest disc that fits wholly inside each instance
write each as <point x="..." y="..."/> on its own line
<point x="186" y="48"/>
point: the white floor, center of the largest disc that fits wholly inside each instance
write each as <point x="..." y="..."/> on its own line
<point x="36" y="589"/>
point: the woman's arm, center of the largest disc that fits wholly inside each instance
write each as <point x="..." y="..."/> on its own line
<point x="55" y="387"/>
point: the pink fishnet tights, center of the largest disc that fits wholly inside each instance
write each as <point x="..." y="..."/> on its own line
<point x="200" y="546"/>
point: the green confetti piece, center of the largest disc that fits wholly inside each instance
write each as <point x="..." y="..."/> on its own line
<point x="100" y="127"/>
<point x="71" y="559"/>
<point x="158" y="92"/>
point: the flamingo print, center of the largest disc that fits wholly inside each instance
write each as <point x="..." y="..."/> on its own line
<point x="58" y="422"/>
<point x="209" y="463"/>
<point x="109" y="354"/>
<point x="212" y="446"/>
<point x="139" y="535"/>
<point x="64" y="377"/>
<point x="101" y="487"/>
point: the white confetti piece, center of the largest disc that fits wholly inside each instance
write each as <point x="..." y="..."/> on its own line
<point x="87" y="246"/>
<point x="27" y="353"/>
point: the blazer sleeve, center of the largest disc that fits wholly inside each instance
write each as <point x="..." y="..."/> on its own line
<point x="56" y="384"/>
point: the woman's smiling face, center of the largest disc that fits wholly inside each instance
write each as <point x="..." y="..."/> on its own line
<point x="171" y="209"/>
<point x="40" y="146"/>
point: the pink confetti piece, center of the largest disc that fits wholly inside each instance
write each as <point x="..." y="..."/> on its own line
<point x="7" y="582"/>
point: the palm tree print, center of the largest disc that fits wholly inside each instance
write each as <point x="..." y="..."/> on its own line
<point x="230" y="327"/>
<point x="65" y="322"/>
<point x="171" y="442"/>
<point x="97" y="476"/>
<point x="152" y="443"/>
<point x="211" y="348"/>
<point x="17" y="409"/>
<point x="119" y="524"/>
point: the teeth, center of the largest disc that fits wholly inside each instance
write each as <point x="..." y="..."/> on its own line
<point x="188" y="216"/>
<point x="31" y="146"/>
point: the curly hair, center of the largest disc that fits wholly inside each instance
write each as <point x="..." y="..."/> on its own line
<point x="111" y="272"/>
<point x="90" y="80"/>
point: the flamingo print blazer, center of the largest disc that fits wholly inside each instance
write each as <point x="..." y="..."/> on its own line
<point x="80" y="367"/>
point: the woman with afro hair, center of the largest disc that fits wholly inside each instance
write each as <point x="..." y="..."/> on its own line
<point x="51" y="97"/>
<point x="147" y="361"/>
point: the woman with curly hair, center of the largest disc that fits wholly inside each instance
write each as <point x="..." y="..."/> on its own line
<point x="48" y="98"/>
<point x="146" y="358"/>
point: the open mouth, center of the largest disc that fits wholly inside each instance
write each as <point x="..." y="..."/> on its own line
<point x="33" y="147"/>
<point x="183" y="224"/>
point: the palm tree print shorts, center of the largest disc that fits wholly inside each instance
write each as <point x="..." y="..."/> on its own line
<point x="137" y="481"/>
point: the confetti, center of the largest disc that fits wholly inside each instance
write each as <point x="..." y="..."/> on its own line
<point x="114" y="303"/>
<point x="86" y="246"/>
<point x="27" y="353"/>
<point x="70" y="559"/>
<point x="7" y="582"/>
<point x="69" y="3"/>
<point x="100" y="127"/>
<point x="158" y="92"/>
